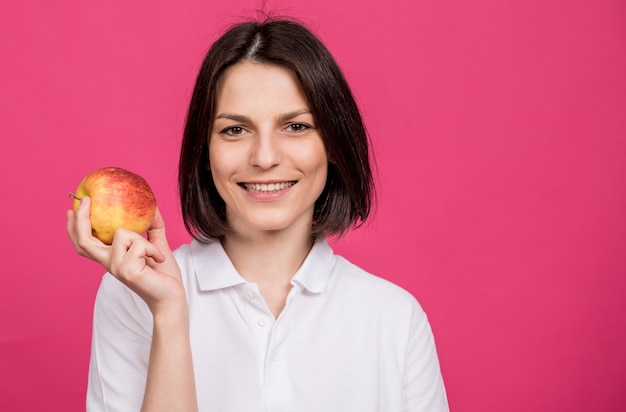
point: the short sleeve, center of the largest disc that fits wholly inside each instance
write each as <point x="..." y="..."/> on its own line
<point x="121" y="340"/>
<point x="423" y="387"/>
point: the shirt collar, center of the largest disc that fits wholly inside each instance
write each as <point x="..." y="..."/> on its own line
<point x="214" y="269"/>
<point x="314" y="273"/>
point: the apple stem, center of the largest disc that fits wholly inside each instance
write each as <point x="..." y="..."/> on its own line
<point x="73" y="196"/>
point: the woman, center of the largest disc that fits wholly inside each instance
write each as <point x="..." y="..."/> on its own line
<point x="257" y="313"/>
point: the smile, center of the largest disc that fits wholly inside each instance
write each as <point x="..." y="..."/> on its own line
<point x="266" y="187"/>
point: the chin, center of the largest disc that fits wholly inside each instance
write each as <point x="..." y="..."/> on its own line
<point x="275" y="222"/>
<point x="269" y="226"/>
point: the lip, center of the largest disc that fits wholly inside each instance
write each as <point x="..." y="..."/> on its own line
<point x="267" y="190"/>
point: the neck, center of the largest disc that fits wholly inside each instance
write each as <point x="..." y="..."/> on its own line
<point x="268" y="257"/>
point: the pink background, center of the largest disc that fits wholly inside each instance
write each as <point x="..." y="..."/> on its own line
<point x="500" y="134"/>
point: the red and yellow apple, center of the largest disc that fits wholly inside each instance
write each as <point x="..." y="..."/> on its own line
<point x="119" y="199"/>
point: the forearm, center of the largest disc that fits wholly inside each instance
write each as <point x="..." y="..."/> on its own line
<point x="170" y="384"/>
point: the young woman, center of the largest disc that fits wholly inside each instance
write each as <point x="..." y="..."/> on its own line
<point x="257" y="313"/>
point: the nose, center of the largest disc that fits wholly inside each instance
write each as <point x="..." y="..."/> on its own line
<point x="265" y="151"/>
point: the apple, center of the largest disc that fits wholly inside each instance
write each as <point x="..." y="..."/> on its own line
<point x="119" y="199"/>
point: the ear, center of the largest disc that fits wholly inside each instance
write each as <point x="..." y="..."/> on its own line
<point x="331" y="159"/>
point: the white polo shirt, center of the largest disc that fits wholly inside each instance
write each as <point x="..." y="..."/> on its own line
<point x="346" y="341"/>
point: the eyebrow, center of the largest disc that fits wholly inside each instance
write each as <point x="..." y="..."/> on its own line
<point x="244" y="119"/>
<point x="295" y="113"/>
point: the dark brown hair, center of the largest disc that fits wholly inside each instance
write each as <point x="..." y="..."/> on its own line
<point x="349" y="191"/>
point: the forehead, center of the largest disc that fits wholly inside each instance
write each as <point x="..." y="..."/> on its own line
<point x="253" y="86"/>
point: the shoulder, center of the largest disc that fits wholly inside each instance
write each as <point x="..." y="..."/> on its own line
<point x="364" y="289"/>
<point x="376" y="308"/>
<point x="116" y="300"/>
<point x="115" y="292"/>
<point x="185" y="251"/>
<point x="117" y="307"/>
<point x="205" y="266"/>
<point x="195" y="253"/>
<point x="362" y="282"/>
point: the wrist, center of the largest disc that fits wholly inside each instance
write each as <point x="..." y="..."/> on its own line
<point x="171" y="317"/>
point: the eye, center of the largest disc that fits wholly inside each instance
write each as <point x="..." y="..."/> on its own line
<point x="234" y="131"/>
<point x="297" y="127"/>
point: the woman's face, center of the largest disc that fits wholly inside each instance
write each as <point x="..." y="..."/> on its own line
<point x="267" y="159"/>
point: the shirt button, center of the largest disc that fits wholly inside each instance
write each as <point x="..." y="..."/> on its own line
<point x="275" y="356"/>
<point x="263" y="321"/>
<point x="249" y="295"/>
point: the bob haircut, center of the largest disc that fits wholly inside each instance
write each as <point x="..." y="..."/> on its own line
<point x="347" y="197"/>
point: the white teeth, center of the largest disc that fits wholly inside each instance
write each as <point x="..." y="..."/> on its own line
<point x="267" y="187"/>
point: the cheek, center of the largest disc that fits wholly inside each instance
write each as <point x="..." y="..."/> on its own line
<point x="221" y="185"/>
<point x="318" y="159"/>
<point x="218" y="169"/>
<point x="218" y="161"/>
<point x="317" y="165"/>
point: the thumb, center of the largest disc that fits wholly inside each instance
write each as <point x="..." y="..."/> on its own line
<point x="156" y="233"/>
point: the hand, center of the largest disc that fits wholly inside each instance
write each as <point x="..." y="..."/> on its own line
<point x="146" y="265"/>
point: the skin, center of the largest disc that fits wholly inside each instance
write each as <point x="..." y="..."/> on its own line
<point x="263" y="133"/>
<point x="147" y="266"/>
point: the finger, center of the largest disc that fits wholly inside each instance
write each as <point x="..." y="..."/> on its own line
<point x="129" y="252"/>
<point x="156" y="233"/>
<point x="69" y="224"/>
<point x="79" y="229"/>
<point x="70" y="227"/>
